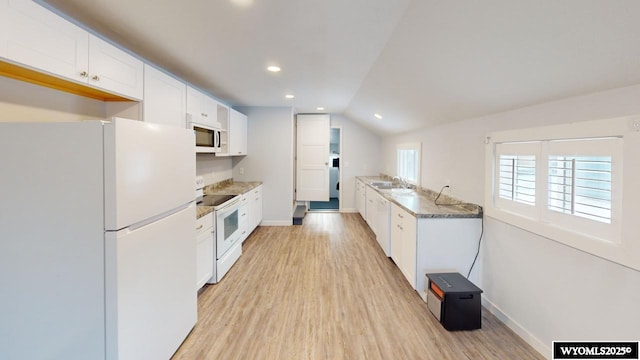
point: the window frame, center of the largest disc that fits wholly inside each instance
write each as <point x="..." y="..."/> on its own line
<point x="414" y="146"/>
<point x="618" y="243"/>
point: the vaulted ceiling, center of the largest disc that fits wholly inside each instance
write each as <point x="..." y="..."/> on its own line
<point x="417" y="63"/>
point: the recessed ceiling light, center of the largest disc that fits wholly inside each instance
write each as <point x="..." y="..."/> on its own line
<point x="242" y="3"/>
<point x="289" y="96"/>
<point x="378" y="116"/>
<point x="274" y="68"/>
<point x="320" y="108"/>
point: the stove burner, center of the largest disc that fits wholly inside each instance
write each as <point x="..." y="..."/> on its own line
<point x="215" y="200"/>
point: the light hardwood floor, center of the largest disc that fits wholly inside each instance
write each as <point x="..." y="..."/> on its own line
<point x="325" y="290"/>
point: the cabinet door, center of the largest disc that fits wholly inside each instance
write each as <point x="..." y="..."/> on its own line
<point x="164" y="98"/>
<point x="409" y="248"/>
<point x="382" y="223"/>
<point x="210" y="112"/>
<point x="243" y="220"/>
<point x="204" y="257"/>
<point x="396" y="235"/>
<point x="237" y="133"/>
<point x="194" y="105"/>
<point x="403" y="242"/>
<point x="257" y="202"/>
<point x="34" y="36"/>
<point x="360" y="198"/>
<point x="371" y="197"/>
<point x="114" y="70"/>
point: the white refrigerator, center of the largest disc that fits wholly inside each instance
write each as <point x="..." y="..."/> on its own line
<point x="97" y="240"/>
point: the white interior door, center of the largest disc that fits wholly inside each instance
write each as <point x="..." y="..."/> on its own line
<point x="312" y="180"/>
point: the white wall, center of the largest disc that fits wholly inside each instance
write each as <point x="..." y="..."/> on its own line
<point x="270" y="134"/>
<point x="361" y="150"/>
<point x="21" y="101"/>
<point x="213" y="169"/>
<point x="544" y="290"/>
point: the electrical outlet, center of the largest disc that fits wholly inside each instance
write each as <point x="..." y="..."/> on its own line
<point x="634" y="124"/>
<point x="241" y="171"/>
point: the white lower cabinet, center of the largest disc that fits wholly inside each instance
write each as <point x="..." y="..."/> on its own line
<point x="426" y="245"/>
<point x="250" y="213"/>
<point x="371" y="197"/>
<point x="419" y="245"/>
<point x="255" y="208"/>
<point x="243" y="218"/>
<point x="383" y="217"/>
<point x="361" y="198"/>
<point x="205" y="236"/>
<point x="403" y="242"/>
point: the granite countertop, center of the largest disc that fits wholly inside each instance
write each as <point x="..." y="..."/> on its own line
<point x="420" y="202"/>
<point x="230" y="187"/>
<point x="203" y="210"/>
<point x="226" y="187"/>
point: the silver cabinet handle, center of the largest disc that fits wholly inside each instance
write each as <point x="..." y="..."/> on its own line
<point x="96" y="78"/>
<point x="199" y="227"/>
<point x="84" y="74"/>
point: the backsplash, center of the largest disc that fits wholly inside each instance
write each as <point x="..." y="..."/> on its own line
<point x="213" y="169"/>
<point x="442" y="200"/>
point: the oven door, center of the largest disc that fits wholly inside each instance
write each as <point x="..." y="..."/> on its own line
<point x="227" y="231"/>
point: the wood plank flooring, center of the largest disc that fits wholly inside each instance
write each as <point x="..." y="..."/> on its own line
<point x="325" y="290"/>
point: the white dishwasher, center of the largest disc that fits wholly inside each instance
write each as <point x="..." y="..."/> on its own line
<point x="383" y="227"/>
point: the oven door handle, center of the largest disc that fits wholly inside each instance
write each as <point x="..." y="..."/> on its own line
<point x="230" y="207"/>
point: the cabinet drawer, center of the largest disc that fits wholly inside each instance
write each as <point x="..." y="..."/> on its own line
<point x="204" y="223"/>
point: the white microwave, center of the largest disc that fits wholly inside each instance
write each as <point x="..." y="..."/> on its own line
<point x="208" y="139"/>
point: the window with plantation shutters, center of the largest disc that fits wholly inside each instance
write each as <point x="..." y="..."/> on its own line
<point x="580" y="186"/>
<point x="565" y="183"/>
<point x="560" y="180"/>
<point x="517" y="178"/>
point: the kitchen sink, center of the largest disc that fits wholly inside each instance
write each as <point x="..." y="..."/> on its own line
<point x="384" y="187"/>
<point x="381" y="184"/>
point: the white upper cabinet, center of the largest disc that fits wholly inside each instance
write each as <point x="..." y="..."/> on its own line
<point x="237" y="133"/>
<point x="164" y="98"/>
<point x="36" y="38"/>
<point x="199" y="108"/>
<point x="202" y="109"/>
<point x="114" y="70"/>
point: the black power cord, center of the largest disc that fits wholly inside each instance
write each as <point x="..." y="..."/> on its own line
<point x="438" y="197"/>
<point x="481" y="228"/>
<point x="479" y="242"/>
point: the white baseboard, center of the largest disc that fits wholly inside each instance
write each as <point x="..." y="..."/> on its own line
<point x="348" y="210"/>
<point x="276" y="222"/>
<point x="539" y="346"/>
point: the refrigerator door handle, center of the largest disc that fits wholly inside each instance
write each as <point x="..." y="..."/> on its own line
<point x="155" y="218"/>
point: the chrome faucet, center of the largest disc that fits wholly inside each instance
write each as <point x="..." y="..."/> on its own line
<point x="402" y="181"/>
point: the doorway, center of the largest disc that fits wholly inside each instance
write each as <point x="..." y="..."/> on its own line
<point x="335" y="148"/>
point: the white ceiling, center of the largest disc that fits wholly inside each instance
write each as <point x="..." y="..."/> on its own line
<point x="418" y="63"/>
